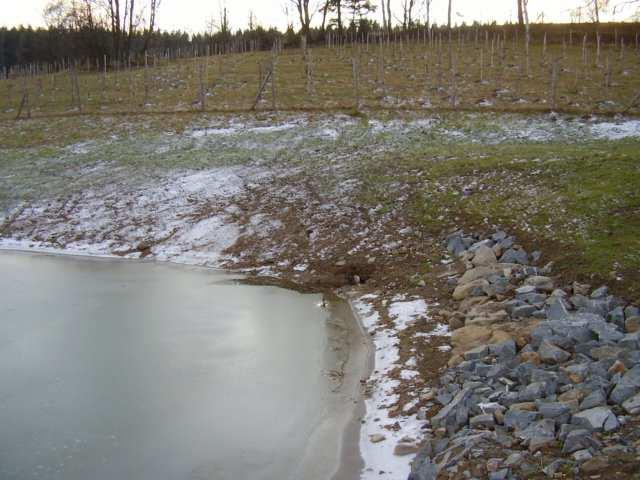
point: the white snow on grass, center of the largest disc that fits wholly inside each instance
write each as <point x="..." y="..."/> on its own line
<point x="406" y="312"/>
<point x="179" y="217"/>
<point x="616" y="131"/>
<point x="440" y="330"/>
<point x="241" y="128"/>
<point x="379" y="457"/>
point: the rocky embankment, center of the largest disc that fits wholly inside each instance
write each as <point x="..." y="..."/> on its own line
<point x="542" y="380"/>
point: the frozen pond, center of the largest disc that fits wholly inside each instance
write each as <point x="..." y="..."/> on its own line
<point x="117" y="369"/>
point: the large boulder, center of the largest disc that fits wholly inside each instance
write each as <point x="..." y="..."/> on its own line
<point x="515" y="256"/>
<point x="543" y="284"/>
<point x="471" y="336"/>
<point x="549" y="353"/>
<point x="578" y="440"/>
<point x="484" y="255"/>
<point x="632" y="405"/>
<point x="455" y="414"/>
<point x="596" y="419"/>
<point x="475" y="289"/>
<point x="423" y="468"/>
<point x="519" y="419"/>
<point x="538" y="434"/>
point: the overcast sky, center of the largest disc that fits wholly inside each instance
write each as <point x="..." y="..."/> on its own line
<point x="191" y="15"/>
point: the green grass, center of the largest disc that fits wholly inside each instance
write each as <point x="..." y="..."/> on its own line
<point x="580" y="203"/>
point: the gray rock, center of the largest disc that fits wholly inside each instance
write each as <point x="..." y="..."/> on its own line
<point x="630" y="341"/>
<point x="571" y="330"/>
<point x="554" y="410"/>
<point x="579" y="440"/>
<point x="557" y="309"/>
<point x="600" y="292"/>
<point x="476" y="353"/>
<point x="491" y="407"/>
<point x="582" y="456"/>
<point x="511" y="305"/>
<point x="616" y="316"/>
<point x="543" y="284"/>
<point x="622" y="391"/>
<point x="565" y="430"/>
<point x="632" y="377"/>
<point x="519" y="419"/>
<point x="422" y="468"/>
<point x="596" y="419"/>
<point x="606" y="332"/>
<point x="551" y="469"/>
<point x="626" y="387"/>
<point x="632" y="311"/>
<point x="484" y="420"/>
<point x="549" y="353"/>
<point x="536" y="256"/>
<point x="455" y="245"/>
<point x="514" y="459"/>
<point x="444" y="397"/>
<point x="501" y="474"/>
<point x="506" y="243"/>
<point x="488" y="243"/>
<point x="526" y="289"/>
<point x="597" y="398"/>
<point x="580" y="370"/>
<point x="455" y="414"/>
<point x="537" y="299"/>
<point x="515" y="256"/>
<point x="538" y="434"/>
<point x="540" y="314"/>
<point x="599" y="306"/>
<point x="532" y="392"/>
<point x="506" y="349"/>
<point x="499" y="236"/>
<point x="524" y="311"/>
<point x="632" y="405"/>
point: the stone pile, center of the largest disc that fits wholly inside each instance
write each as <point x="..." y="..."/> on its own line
<point x="540" y="377"/>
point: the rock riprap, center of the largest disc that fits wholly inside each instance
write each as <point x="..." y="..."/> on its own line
<point x="540" y="377"/>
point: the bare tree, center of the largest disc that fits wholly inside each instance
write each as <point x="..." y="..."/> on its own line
<point x="525" y="13"/>
<point x="336" y="6"/>
<point x="595" y="8"/>
<point x="153" y="10"/>
<point x="384" y="15"/>
<point x="114" y="17"/>
<point x="302" y="6"/>
<point x="407" y="13"/>
<point x="520" y="14"/>
<point x="325" y="10"/>
<point x="389" y="16"/>
<point x="427" y="6"/>
<point x="449" y="17"/>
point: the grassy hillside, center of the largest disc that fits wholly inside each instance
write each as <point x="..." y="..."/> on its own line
<point x="484" y="74"/>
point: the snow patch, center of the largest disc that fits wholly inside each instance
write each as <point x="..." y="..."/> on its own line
<point x="406" y="312"/>
<point x="378" y="457"/>
<point x="616" y="131"/>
